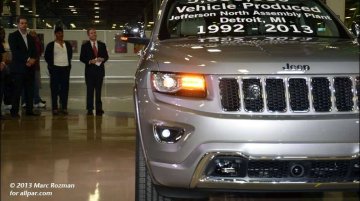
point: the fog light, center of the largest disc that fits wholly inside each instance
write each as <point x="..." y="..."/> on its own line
<point x="167" y="134"/>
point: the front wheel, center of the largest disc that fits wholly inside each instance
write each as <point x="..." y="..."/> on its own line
<point x="144" y="188"/>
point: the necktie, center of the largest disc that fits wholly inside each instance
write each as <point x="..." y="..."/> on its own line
<point x="95" y="50"/>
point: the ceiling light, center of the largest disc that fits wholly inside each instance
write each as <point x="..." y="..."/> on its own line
<point x="151" y="22"/>
<point x="352" y="9"/>
<point x="96" y="4"/>
<point x="347" y="17"/>
<point x="72" y="25"/>
<point x="75" y="12"/>
<point x="36" y="15"/>
<point x="97" y="21"/>
<point x="97" y="8"/>
<point x="22" y="6"/>
<point x="48" y="25"/>
<point x="30" y="11"/>
<point x="96" y="16"/>
<point x="71" y="6"/>
<point x="97" y="12"/>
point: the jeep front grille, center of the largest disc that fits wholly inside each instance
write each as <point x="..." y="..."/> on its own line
<point x="290" y="94"/>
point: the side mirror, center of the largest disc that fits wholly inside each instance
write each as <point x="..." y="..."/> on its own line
<point x="355" y="29"/>
<point x="135" y="33"/>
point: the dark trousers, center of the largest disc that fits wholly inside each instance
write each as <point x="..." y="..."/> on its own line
<point x="59" y="86"/>
<point x="22" y="82"/>
<point x="93" y="84"/>
<point x="8" y="85"/>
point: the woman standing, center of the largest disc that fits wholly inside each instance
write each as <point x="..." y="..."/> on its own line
<point x="58" y="55"/>
<point x="5" y="59"/>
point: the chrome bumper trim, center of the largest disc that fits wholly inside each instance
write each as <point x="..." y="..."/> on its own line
<point x="199" y="180"/>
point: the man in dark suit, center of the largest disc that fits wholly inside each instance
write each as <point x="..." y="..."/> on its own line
<point x="22" y="68"/>
<point x="94" y="54"/>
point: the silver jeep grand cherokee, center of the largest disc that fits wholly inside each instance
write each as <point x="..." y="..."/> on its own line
<point x="246" y="95"/>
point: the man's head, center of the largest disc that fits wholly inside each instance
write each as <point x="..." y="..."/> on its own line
<point x="22" y="24"/>
<point x="32" y="33"/>
<point x="59" y="33"/>
<point x="91" y="32"/>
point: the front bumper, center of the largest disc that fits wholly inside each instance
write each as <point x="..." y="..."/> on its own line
<point x="257" y="136"/>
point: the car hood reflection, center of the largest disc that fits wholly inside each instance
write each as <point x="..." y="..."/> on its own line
<point x="265" y="55"/>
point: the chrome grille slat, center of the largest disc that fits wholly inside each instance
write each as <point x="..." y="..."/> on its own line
<point x="343" y="94"/>
<point x="253" y="98"/>
<point x="299" y="95"/>
<point x="357" y="90"/>
<point x="283" y="94"/>
<point x="275" y="93"/>
<point x="229" y="93"/>
<point x="321" y="94"/>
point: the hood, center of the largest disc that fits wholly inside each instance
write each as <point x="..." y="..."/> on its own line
<point x="257" y="55"/>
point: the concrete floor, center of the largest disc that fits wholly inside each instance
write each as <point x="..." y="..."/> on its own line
<point x="93" y="156"/>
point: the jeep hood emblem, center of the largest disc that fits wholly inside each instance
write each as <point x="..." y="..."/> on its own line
<point x="296" y="67"/>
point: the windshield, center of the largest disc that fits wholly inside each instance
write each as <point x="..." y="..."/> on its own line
<point x="222" y="18"/>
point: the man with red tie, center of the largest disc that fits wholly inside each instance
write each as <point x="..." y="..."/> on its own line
<point x="94" y="54"/>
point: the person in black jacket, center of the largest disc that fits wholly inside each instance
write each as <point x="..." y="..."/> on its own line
<point x="21" y="67"/>
<point x="58" y="55"/>
<point x="2" y="66"/>
<point x="94" y="54"/>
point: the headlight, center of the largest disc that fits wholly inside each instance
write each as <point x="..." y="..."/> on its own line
<point x="179" y="84"/>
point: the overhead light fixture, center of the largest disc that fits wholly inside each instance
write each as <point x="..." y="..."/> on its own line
<point x="97" y="8"/>
<point x="22" y="6"/>
<point x="48" y="25"/>
<point x="71" y="6"/>
<point x="96" y="17"/>
<point x="75" y="12"/>
<point x="151" y="22"/>
<point x="30" y="11"/>
<point x="97" y="21"/>
<point x="96" y="4"/>
<point x="73" y="25"/>
<point x="352" y="9"/>
<point x="347" y="17"/>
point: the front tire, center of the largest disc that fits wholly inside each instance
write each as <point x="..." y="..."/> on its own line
<point x="144" y="188"/>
